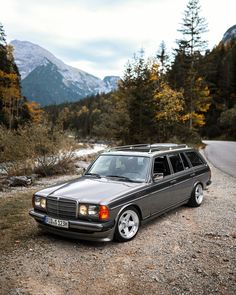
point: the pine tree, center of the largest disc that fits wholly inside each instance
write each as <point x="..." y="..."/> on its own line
<point x="2" y="35"/>
<point x="163" y="58"/>
<point x="138" y="85"/>
<point x="13" y="107"/>
<point x="192" y="28"/>
<point x="185" y="70"/>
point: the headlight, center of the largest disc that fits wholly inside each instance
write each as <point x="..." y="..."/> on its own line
<point x="87" y="210"/>
<point x="43" y="203"/>
<point x="83" y="210"/>
<point x="39" y="202"/>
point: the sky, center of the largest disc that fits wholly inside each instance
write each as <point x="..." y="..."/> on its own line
<point x="100" y="36"/>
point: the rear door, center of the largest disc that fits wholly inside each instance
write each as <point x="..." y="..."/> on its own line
<point x="182" y="177"/>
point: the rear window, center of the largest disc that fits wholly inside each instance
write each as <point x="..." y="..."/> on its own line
<point x="194" y="158"/>
<point x="185" y="161"/>
<point x="176" y="163"/>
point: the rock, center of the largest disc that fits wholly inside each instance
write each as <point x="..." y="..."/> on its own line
<point x="19" y="181"/>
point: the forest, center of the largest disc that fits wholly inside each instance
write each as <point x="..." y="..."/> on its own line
<point x="182" y="96"/>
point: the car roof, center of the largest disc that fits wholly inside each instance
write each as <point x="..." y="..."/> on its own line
<point x="146" y="150"/>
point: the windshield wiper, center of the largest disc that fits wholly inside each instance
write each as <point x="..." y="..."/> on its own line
<point x="93" y="174"/>
<point x="121" y="178"/>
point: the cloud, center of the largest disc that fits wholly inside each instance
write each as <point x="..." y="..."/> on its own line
<point x="102" y="33"/>
<point x="100" y="57"/>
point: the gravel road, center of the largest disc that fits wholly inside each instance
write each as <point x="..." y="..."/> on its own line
<point x="187" y="251"/>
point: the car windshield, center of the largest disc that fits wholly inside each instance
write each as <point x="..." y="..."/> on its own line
<point x="122" y="168"/>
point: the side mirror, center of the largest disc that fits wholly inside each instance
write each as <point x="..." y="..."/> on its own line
<point x="158" y="176"/>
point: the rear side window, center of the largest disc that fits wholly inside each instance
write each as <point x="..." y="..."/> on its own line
<point x="176" y="163"/>
<point x="194" y="158"/>
<point x="185" y="161"/>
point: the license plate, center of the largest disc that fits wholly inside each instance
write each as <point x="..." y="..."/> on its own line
<point x="57" y="222"/>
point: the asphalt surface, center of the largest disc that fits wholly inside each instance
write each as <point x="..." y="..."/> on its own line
<point x="222" y="154"/>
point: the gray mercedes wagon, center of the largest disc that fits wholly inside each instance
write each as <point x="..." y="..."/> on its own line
<point x="123" y="188"/>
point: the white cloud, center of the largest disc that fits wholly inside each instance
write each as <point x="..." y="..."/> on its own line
<point x="61" y="25"/>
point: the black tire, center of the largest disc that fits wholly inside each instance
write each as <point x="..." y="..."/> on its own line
<point x="196" y="196"/>
<point x="128" y="224"/>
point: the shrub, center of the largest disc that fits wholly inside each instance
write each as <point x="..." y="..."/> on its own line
<point x="35" y="148"/>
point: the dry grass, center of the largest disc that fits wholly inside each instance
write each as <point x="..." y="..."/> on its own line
<point x="15" y="223"/>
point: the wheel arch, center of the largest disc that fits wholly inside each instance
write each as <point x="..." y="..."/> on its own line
<point x="127" y="206"/>
<point x="198" y="182"/>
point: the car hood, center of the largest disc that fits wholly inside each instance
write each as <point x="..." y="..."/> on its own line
<point x="91" y="190"/>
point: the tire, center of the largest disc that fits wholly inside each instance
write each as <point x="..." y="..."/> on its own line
<point x="197" y="196"/>
<point x="127" y="225"/>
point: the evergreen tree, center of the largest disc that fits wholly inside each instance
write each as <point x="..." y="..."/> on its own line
<point x="192" y="28"/>
<point x="219" y="67"/>
<point x="163" y="58"/>
<point x="185" y="70"/>
<point x="2" y="35"/>
<point x="138" y="86"/>
<point x="13" y="108"/>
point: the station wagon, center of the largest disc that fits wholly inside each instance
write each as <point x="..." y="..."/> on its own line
<point x="122" y="189"/>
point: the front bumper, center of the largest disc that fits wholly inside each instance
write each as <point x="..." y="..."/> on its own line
<point x="83" y="230"/>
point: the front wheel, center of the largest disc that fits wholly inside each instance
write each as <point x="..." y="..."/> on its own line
<point x="197" y="196"/>
<point x="127" y="225"/>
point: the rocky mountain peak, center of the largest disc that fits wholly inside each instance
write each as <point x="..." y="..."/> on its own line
<point x="229" y="35"/>
<point x="66" y="83"/>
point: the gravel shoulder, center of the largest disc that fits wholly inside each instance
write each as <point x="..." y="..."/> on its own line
<point x="186" y="251"/>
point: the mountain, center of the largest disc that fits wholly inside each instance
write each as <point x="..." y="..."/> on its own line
<point x="111" y="82"/>
<point x="48" y="80"/>
<point x="229" y="35"/>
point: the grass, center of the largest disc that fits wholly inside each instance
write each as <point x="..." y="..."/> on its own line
<point x="15" y="223"/>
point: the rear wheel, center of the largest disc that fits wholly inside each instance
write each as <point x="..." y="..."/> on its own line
<point x="127" y="225"/>
<point x="197" y="196"/>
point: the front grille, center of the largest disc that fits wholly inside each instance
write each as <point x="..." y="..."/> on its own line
<point x="61" y="208"/>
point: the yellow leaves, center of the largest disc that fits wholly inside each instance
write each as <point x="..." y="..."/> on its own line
<point x="198" y="119"/>
<point x="83" y="111"/>
<point x="202" y="95"/>
<point x="154" y="72"/>
<point x="185" y="117"/>
<point x="9" y="95"/>
<point x="170" y="104"/>
<point x="35" y="112"/>
<point x="197" y="100"/>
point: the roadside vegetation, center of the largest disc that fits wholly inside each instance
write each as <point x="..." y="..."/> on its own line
<point x="15" y="224"/>
<point x="36" y="148"/>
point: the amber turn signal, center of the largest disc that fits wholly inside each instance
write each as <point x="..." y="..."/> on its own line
<point x="103" y="212"/>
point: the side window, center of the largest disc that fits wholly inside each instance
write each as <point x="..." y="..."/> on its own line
<point x="194" y="158"/>
<point x="185" y="161"/>
<point x="176" y="163"/>
<point x="161" y="166"/>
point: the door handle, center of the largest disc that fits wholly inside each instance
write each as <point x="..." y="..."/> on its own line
<point x="173" y="181"/>
<point x="193" y="174"/>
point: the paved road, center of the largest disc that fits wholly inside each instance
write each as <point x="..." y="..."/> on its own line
<point x="222" y="154"/>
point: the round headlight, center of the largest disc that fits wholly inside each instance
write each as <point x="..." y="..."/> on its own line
<point x="83" y="210"/>
<point x="43" y="203"/>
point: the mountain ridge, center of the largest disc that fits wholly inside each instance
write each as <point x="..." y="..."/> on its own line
<point x="229" y="35"/>
<point x="67" y="83"/>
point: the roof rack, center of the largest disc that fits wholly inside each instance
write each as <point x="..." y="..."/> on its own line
<point x="149" y="147"/>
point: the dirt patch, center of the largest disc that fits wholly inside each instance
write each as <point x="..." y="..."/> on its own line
<point x="187" y="251"/>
